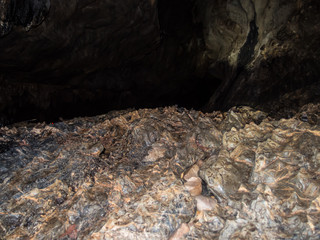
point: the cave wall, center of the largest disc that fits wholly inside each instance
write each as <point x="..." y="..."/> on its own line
<point x="64" y="62"/>
<point x="263" y="50"/>
<point x="76" y="58"/>
<point x="70" y="58"/>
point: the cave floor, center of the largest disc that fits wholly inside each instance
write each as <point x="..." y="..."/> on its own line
<point x="163" y="173"/>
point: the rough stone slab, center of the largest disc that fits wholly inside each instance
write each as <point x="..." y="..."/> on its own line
<point x="124" y="175"/>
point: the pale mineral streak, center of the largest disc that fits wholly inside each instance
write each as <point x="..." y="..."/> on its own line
<point x="127" y="175"/>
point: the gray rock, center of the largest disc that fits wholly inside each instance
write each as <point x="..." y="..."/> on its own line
<point x="257" y="181"/>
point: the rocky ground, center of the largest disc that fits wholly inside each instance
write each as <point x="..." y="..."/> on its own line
<point x="163" y="173"/>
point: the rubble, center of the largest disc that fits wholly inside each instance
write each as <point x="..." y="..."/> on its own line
<point x="162" y="173"/>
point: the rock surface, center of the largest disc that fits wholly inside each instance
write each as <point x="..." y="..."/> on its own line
<point x="90" y="57"/>
<point x="78" y="58"/>
<point x="125" y="174"/>
<point x="262" y="50"/>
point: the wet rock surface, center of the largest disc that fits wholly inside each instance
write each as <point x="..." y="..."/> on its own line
<point x="163" y="173"/>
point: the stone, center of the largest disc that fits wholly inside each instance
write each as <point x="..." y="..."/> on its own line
<point x="221" y="53"/>
<point x="205" y="203"/>
<point x="180" y="233"/>
<point x="161" y="173"/>
<point x="192" y="172"/>
<point x="194" y="186"/>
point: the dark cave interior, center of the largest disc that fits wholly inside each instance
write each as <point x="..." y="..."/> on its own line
<point x="217" y="134"/>
<point x="63" y="59"/>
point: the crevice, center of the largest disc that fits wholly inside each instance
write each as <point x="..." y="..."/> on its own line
<point x="217" y="101"/>
<point x="247" y="51"/>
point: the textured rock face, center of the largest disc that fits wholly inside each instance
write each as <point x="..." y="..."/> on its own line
<point x="134" y="175"/>
<point x="78" y="58"/>
<point x="261" y="50"/>
<point x="28" y="13"/>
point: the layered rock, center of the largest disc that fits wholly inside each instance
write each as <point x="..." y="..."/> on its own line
<point x="135" y="174"/>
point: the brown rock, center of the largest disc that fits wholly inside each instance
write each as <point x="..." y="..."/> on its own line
<point x="194" y="186"/>
<point x="192" y="172"/>
<point x="180" y="233"/>
<point x="265" y="186"/>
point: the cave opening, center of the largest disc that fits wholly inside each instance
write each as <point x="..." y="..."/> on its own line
<point x="83" y="58"/>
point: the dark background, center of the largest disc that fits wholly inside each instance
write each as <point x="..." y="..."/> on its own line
<point x="78" y="58"/>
